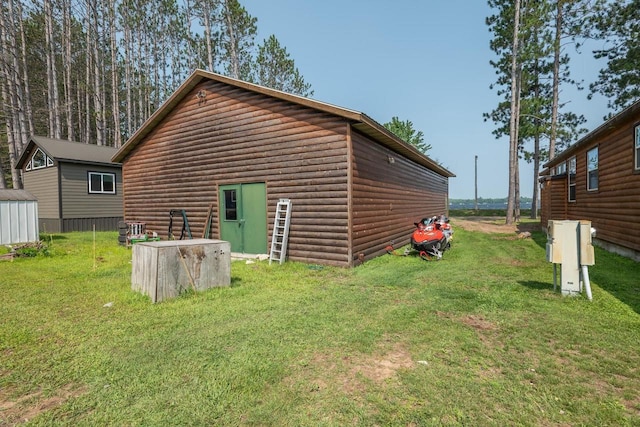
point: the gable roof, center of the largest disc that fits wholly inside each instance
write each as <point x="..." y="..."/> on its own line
<point x="68" y="151"/>
<point x="603" y="129"/>
<point x="359" y="121"/>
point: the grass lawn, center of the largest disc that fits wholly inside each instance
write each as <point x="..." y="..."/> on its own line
<point x="479" y="338"/>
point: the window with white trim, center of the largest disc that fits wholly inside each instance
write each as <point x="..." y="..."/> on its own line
<point x="39" y="160"/>
<point x="637" y="147"/>
<point x="592" y="169"/>
<point x="102" y="183"/>
<point x="561" y="168"/>
<point x="571" y="177"/>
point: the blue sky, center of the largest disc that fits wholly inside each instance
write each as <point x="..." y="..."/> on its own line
<point x="426" y="61"/>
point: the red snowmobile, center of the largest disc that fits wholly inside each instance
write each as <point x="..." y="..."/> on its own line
<point x="432" y="237"/>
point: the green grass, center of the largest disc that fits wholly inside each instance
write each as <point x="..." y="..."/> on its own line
<point x="478" y="338"/>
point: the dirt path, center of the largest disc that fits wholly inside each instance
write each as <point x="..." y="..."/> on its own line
<point x="493" y="224"/>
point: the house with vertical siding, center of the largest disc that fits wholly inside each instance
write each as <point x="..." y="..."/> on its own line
<point x="226" y="151"/>
<point x="598" y="179"/>
<point x="77" y="185"/>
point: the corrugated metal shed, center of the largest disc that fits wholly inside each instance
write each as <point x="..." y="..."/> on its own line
<point x="18" y="217"/>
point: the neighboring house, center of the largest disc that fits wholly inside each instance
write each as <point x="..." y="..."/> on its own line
<point x="77" y="185"/>
<point x="18" y="217"/>
<point x="598" y="179"/>
<point x="234" y="149"/>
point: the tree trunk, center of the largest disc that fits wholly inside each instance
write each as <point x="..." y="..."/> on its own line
<point x="514" y="119"/>
<point x="115" y="97"/>
<point x="233" y="49"/>
<point x="52" y="74"/>
<point x="89" y="86"/>
<point x="67" y="69"/>
<point x="536" y="171"/>
<point x="27" y="127"/>
<point x="516" y="213"/>
<point x="206" y="12"/>
<point x="556" y="80"/>
<point x="97" y="76"/>
<point x="127" y="72"/>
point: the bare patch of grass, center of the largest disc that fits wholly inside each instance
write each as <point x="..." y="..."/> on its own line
<point x="26" y="407"/>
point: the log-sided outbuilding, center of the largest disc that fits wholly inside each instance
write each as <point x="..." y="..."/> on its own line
<point x="598" y="179"/>
<point x="77" y="185"/>
<point x="233" y="149"/>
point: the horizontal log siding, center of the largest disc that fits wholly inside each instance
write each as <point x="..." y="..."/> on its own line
<point x="387" y="198"/>
<point x="554" y="197"/>
<point x="614" y="208"/>
<point x="237" y="136"/>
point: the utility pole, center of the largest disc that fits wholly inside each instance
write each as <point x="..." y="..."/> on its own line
<point x="476" y="179"/>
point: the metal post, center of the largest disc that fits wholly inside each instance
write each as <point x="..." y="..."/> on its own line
<point x="476" y="182"/>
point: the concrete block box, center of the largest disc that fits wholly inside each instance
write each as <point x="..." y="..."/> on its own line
<point x="165" y="269"/>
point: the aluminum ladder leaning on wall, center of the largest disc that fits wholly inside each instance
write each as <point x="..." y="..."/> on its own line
<point x="280" y="235"/>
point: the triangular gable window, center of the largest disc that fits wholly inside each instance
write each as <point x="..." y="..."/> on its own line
<point x="39" y="160"/>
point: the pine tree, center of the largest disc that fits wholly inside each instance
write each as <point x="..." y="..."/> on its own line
<point x="275" y="69"/>
<point x="405" y="131"/>
<point x="618" y="23"/>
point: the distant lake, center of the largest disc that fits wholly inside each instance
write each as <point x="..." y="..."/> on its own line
<point x="486" y="204"/>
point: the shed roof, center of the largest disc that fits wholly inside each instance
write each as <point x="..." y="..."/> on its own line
<point x="359" y="121"/>
<point x="16" y="195"/>
<point x="68" y="151"/>
<point x="629" y="112"/>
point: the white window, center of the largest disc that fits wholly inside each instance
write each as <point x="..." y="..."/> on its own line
<point x="592" y="169"/>
<point x="637" y="147"/>
<point x="561" y="168"/>
<point x="571" y="177"/>
<point x="39" y="160"/>
<point x="102" y="183"/>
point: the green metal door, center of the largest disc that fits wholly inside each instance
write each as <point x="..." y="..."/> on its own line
<point x="243" y="217"/>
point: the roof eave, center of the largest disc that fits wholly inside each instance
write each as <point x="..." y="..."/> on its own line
<point x="369" y="126"/>
<point x="382" y="134"/>
<point x="612" y="123"/>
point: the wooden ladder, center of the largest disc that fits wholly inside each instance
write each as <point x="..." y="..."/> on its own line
<point x="280" y="235"/>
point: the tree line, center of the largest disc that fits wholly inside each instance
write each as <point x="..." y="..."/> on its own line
<point x="534" y="41"/>
<point x="93" y="71"/>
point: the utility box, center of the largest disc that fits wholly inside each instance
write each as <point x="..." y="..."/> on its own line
<point x="587" y="254"/>
<point x="165" y="269"/>
<point x="569" y="243"/>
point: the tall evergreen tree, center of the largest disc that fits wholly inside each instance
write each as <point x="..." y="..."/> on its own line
<point x="274" y="68"/>
<point x="237" y="40"/>
<point x="95" y="70"/>
<point x="617" y="22"/>
<point x="535" y="73"/>
<point x="405" y="131"/>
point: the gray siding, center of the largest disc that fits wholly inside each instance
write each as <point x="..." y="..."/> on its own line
<point x="76" y="200"/>
<point x="43" y="184"/>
